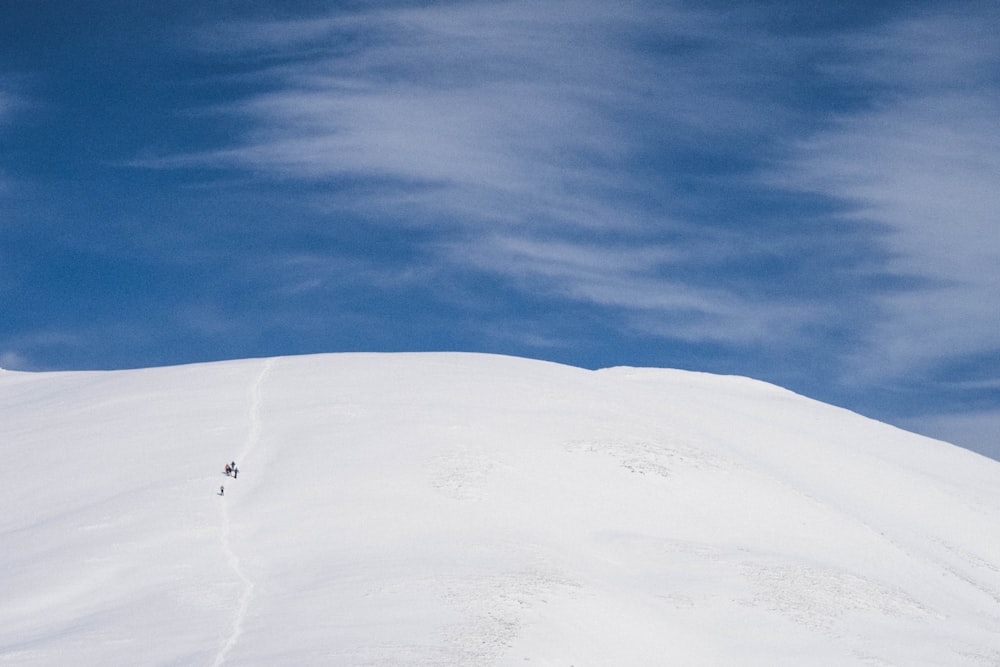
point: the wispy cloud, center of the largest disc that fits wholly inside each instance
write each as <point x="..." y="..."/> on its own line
<point x="513" y="102"/>
<point x="517" y="130"/>
<point x="638" y="283"/>
<point x="923" y="162"/>
<point x="703" y="176"/>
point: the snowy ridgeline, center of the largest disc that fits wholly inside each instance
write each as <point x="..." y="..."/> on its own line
<point x="456" y="509"/>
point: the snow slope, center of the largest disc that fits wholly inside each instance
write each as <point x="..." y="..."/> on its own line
<point x="459" y="509"/>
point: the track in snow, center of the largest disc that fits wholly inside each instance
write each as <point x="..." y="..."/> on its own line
<point x="234" y="561"/>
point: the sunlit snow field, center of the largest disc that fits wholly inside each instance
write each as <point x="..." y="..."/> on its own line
<point x="462" y="509"/>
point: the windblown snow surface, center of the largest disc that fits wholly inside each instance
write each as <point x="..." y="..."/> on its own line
<point x="462" y="509"/>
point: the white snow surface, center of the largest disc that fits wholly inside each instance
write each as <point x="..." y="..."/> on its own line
<point x="466" y="509"/>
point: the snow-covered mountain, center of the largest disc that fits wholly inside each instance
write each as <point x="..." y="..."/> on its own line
<point x="460" y="509"/>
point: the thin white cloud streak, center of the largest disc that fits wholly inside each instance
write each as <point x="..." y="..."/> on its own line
<point x="305" y="272"/>
<point x="924" y="163"/>
<point x="630" y="280"/>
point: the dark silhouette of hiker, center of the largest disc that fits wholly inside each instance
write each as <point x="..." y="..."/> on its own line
<point x="236" y="471"/>
<point x="222" y="490"/>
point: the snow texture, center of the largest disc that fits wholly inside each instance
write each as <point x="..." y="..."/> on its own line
<point x="461" y="509"/>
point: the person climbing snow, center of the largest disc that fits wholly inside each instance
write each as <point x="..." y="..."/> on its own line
<point x="236" y="471"/>
<point x="228" y="470"/>
<point x="222" y="490"/>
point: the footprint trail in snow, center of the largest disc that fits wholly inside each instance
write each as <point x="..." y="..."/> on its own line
<point x="243" y="603"/>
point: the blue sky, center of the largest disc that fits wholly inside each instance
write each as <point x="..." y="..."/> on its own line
<point x="801" y="192"/>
